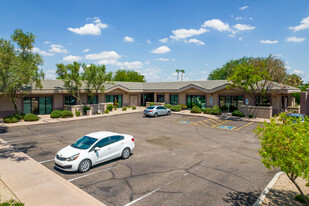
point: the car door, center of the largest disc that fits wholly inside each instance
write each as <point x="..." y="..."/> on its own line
<point x="162" y="110"/>
<point x="117" y="145"/>
<point x="101" y="155"/>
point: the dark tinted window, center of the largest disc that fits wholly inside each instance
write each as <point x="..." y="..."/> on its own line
<point x="116" y="138"/>
<point x="84" y="142"/>
<point x="160" y="107"/>
<point x="150" y="107"/>
<point x="102" y="142"/>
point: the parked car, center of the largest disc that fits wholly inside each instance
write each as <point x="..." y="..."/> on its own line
<point x="93" y="149"/>
<point x="156" y="111"/>
<point x="295" y="116"/>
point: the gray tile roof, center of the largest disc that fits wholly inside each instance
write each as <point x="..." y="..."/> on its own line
<point x="205" y="85"/>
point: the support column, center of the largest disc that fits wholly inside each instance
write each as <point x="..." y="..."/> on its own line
<point x="304" y="104"/>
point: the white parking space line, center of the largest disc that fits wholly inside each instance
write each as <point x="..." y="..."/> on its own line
<point x="15" y="140"/>
<point x="142" y="197"/>
<point x="46" y="161"/>
<point x="76" y="178"/>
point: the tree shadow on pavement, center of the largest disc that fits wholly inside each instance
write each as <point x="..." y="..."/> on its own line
<point x="241" y="198"/>
<point x="282" y="197"/>
<point x="3" y="129"/>
<point x="10" y="153"/>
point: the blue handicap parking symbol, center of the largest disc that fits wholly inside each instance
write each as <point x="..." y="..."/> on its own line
<point x="225" y="127"/>
<point x="184" y="122"/>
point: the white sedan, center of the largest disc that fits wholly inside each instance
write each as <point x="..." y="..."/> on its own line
<point x="93" y="149"/>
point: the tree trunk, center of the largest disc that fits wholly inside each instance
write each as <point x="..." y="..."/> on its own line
<point x="292" y="178"/>
<point x="181" y="76"/>
<point x="13" y="100"/>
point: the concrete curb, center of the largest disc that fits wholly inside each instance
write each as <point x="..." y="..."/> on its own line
<point x="34" y="184"/>
<point x="262" y="196"/>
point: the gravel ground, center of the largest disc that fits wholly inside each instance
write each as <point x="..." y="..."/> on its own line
<point x="284" y="191"/>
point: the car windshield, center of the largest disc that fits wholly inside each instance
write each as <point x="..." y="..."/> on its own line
<point x="150" y="107"/>
<point x="84" y="143"/>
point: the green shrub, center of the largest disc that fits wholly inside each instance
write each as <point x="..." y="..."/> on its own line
<point x="238" y="114"/>
<point x="116" y="105"/>
<point x="176" y="108"/>
<point x="299" y="198"/>
<point x="106" y="111"/>
<point x="10" y="119"/>
<point x="77" y="113"/>
<point x="224" y="108"/>
<point x="183" y="106"/>
<point x="109" y="107"/>
<point x="307" y="184"/>
<point x="216" y="110"/>
<point x="152" y="103"/>
<point x="196" y="109"/>
<point x="19" y="116"/>
<point x="129" y="107"/>
<point x="169" y="106"/>
<point x="134" y="107"/>
<point x="124" y="109"/>
<point x="11" y="202"/>
<point x="66" y="114"/>
<point x="207" y="111"/>
<point x="232" y="108"/>
<point x="251" y="116"/>
<point x="85" y="109"/>
<point x="31" y="117"/>
<point x="55" y="114"/>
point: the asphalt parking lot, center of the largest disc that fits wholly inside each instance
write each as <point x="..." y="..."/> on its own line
<point x="178" y="159"/>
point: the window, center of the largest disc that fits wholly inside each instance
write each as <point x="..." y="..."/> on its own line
<point x="102" y="142"/>
<point x="84" y="142"/>
<point x="196" y="100"/>
<point x="160" y="98"/>
<point x="69" y="100"/>
<point x="116" y="138"/>
<point x="38" y="105"/>
<point x="114" y="98"/>
<point x="94" y="100"/>
<point x="174" y="99"/>
<point x="160" y="107"/>
<point x="232" y="102"/>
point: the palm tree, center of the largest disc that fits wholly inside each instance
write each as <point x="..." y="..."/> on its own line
<point x="182" y="72"/>
<point x="177" y="70"/>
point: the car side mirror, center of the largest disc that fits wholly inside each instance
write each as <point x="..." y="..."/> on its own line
<point x="96" y="149"/>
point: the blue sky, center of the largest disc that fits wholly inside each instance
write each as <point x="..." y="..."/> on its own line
<point x="157" y="37"/>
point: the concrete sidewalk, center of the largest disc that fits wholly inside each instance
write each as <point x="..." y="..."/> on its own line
<point x="47" y="119"/>
<point x="35" y="185"/>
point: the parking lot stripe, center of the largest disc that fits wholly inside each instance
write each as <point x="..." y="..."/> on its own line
<point x="203" y="124"/>
<point x="76" y="178"/>
<point x="244" y="126"/>
<point x="221" y="123"/>
<point x="46" y="161"/>
<point x="207" y="121"/>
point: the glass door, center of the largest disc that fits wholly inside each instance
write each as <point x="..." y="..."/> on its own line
<point x="42" y="105"/>
<point x="48" y="105"/>
<point x="27" y="105"/>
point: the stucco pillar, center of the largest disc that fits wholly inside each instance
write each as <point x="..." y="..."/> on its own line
<point x="155" y="97"/>
<point x="304" y="104"/>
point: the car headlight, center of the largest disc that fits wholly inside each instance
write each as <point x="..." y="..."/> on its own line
<point x="74" y="157"/>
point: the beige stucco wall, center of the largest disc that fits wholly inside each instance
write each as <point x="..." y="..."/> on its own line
<point x="58" y="101"/>
<point x="6" y="106"/>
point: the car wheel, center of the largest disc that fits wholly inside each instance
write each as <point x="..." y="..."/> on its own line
<point x="168" y="113"/>
<point x="156" y="115"/>
<point x="125" y="153"/>
<point x="84" y="166"/>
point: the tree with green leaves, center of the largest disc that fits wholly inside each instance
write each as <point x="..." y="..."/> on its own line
<point x="177" y="71"/>
<point x="227" y="69"/>
<point x="182" y="72"/>
<point x="122" y="75"/>
<point x="284" y="145"/>
<point x="95" y="77"/>
<point x="293" y="80"/>
<point x="19" y="67"/>
<point x="71" y="77"/>
<point x="257" y="76"/>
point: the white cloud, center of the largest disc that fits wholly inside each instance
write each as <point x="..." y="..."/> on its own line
<point x="295" y="39"/>
<point x="41" y="52"/>
<point x="90" y="29"/>
<point x="269" y="41"/>
<point x="195" y="41"/>
<point x="298" y="72"/>
<point x="57" y="48"/>
<point x="107" y="55"/>
<point x="238" y="18"/>
<point x="128" y="39"/>
<point x="250" y="18"/>
<point x="304" y="25"/>
<point x="184" y="33"/>
<point x="47" y="42"/>
<point x="277" y="55"/>
<point x="240" y="38"/>
<point x="243" y="27"/>
<point x="130" y="65"/>
<point x="161" y="50"/>
<point x="217" y="24"/>
<point x="148" y="41"/>
<point x="50" y="74"/>
<point x="86" y="50"/>
<point x="165" y="59"/>
<point x="151" y="74"/>
<point x="71" y="58"/>
<point x="164" y="40"/>
<point x="243" y="7"/>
